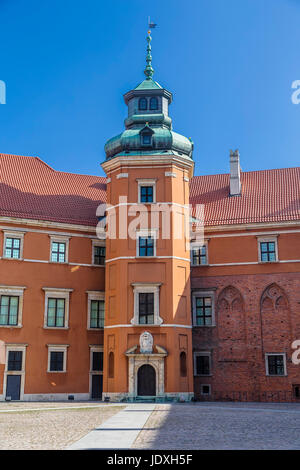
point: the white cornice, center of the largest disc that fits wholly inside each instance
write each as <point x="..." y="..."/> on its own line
<point x="141" y="160"/>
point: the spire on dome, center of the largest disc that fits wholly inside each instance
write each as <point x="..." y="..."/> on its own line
<point x="149" y="69"/>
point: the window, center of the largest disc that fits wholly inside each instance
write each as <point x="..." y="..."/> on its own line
<point x="13" y="245"/>
<point x="202" y="363"/>
<point x="56" y="312"/>
<point x="146" y="308"/>
<point x="143" y="104"/>
<point x="96" y="309"/>
<point x="14" y="360"/>
<point x="9" y="307"/>
<point x="146" y="246"/>
<point x="205" y="389"/>
<point x="146" y="304"/>
<point x="57" y="357"/>
<point x="296" y="391"/>
<point x="153" y="103"/>
<point x="97" y="361"/>
<point x="56" y="361"/>
<point x="146" y="139"/>
<point x="203" y="311"/>
<point x="199" y="255"/>
<point x="97" y="314"/>
<point x="268" y="250"/>
<point x="275" y="364"/>
<point x="146" y="191"/>
<point x="146" y="194"/>
<point x="99" y="255"/>
<point x="58" y="252"/>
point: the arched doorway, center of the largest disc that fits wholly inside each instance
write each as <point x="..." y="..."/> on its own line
<point x="146" y="381"/>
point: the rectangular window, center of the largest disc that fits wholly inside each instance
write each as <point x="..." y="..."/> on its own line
<point x="146" y="308"/>
<point x="58" y="252"/>
<point x="275" y="363"/>
<point x="97" y="364"/>
<point x="9" y="307"/>
<point x="12" y="247"/>
<point x="99" y="255"/>
<point x="203" y="311"/>
<point x="14" y="360"/>
<point x="56" y="312"/>
<point x="146" y="193"/>
<point x="97" y="314"/>
<point x="199" y="255"/>
<point x="146" y="139"/>
<point x="146" y="246"/>
<point x="56" y="361"/>
<point x="267" y="251"/>
<point x="202" y="364"/>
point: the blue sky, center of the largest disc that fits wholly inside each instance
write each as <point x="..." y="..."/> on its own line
<point x="230" y="65"/>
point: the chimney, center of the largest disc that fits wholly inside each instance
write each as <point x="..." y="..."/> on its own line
<point x="235" y="174"/>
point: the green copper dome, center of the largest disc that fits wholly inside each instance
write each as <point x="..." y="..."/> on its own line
<point x="148" y="125"/>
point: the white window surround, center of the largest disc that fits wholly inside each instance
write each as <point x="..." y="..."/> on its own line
<point x="16" y="291"/>
<point x="144" y="233"/>
<point x="59" y="239"/>
<point x="97" y="243"/>
<point x="93" y="295"/>
<point x="195" y="245"/>
<point x="267" y="239"/>
<point x="202" y="353"/>
<point x="13" y="234"/>
<point x="203" y="293"/>
<point x="57" y="348"/>
<point x="15" y="347"/>
<point x="284" y="364"/>
<point x="57" y="293"/>
<point x="140" y="288"/>
<point x="94" y="348"/>
<point x="146" y="182"/>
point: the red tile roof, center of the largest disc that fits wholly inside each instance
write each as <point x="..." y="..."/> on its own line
<point x="31" y="189"/>
<point x="267" y="196"/>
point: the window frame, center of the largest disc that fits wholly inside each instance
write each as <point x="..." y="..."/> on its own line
<point x="143" y="99"/>
<point x="146" y="182"/>
<point x="195" y="245"/>
<point x="57" y="348"/>
<point x="267" y="239"/>
<point x="60" y="240"/>
<point x="14" y="235"/>
<point x="203" y="293"/>
<point x="267" y="355"/>
<point x="56" y="293"/>
<point x="98" y="296"/>
<point x="14" y="291"/>
<point x="146" y="234"/>
<point x="140" y="288"/>
<point x="205" y="354"/>
<point x="153" y="99"/>
<point x="96" y="244"/>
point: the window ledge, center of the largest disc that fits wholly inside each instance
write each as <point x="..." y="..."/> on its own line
<point x="11" y="326"/>
<point x="56" y="371"/>
<point x="56" y="328"/>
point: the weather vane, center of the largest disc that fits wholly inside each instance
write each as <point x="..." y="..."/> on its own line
<point x="151" y="25"/>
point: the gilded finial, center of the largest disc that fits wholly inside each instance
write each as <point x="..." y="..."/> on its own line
<point x="149" y="69"/>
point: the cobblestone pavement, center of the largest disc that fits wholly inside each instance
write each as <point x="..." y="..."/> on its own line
<point x="238" y="426"/>
<point x="49" y="429"/>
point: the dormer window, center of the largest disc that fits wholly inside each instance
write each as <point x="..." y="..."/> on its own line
<point x="143" y="105"/>
<point x="146" y="139"/>
<point x="153" y="104"/>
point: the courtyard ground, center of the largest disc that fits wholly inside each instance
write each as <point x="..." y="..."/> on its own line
<point x="49" y="426"/>
<point x="220" y="426"/>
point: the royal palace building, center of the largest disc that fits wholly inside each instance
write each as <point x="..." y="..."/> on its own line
<point x="150" y="283"/>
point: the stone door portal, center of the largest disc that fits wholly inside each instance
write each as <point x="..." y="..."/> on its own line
<point x="146" y="381"/>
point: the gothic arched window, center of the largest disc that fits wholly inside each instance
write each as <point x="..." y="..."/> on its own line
<point x="142" y="104"/>
<point x="153" y="103"/>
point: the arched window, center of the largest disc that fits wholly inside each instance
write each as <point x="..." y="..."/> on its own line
<point x="153" y="103"/>
<point x="142" y="104"/>
<point x="111" y="365"/>
<point x="183" y="364"/>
